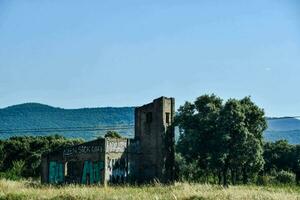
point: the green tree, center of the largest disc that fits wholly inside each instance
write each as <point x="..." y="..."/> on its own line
<point x="28" y="150"/>
<point x="296" y="163"/>
<point x="282" y="156"/>
<point x="197" y="122"/>
<point x="255" y="122"/>
<point x="1" y="153"/>
<point x="278" y="156"/>
<point x="224" y="139"/>
<point x="112" y="134"/>
<point x="241" y="126"/>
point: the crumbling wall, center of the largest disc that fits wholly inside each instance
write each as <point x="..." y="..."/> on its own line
<point x="149" y="156"/>
<point x="82" y="163"/>
<point x="116" y="160"/>
<point x="154" y="130"/>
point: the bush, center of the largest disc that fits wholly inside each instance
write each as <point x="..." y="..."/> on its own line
<point x="263" y="180"/>
<point x="28" y="149"/>
<point x="187" y="171"/>
<point x="285" y="177"/>
<point x="15" y="173"/>
<point x="112" y="134"/>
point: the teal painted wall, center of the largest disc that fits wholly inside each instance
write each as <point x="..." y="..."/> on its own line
<point x="92" y="172"/>
<point x="56" y="172"/>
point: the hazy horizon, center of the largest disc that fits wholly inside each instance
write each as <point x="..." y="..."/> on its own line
<point x="128" y="106"/>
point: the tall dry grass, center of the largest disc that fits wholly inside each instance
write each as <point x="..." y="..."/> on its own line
<point x="31" y="190"/>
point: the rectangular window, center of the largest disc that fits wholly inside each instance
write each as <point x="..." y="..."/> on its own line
<point x="167" y="118"/>
<point x="149" y="117"/>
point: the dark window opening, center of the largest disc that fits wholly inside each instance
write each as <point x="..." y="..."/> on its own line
<point x="73" y="170"/>
<point x="167" y="118"/>
<point x="149" y="117"/>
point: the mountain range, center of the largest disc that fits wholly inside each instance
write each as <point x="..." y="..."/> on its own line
<point x="87" y="123"/>
<point x="284" y="128"/>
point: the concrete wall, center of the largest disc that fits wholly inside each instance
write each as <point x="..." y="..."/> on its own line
<point x="155" y="133"/>
<point x="120" y="160"/>
<point x="80" y="164"/>
<point x="106" y="160"/>
<point x="116" y="160"/>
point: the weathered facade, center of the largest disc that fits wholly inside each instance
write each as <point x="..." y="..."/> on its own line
<point x="154" y="131"/>
<point x="147" y="157"/>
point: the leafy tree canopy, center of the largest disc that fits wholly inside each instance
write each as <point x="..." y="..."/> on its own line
<point x="222" y="137"/>
<point x="112" y="134"/>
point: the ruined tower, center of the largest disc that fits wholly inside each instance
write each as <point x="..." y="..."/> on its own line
<point x="155" y="132"/>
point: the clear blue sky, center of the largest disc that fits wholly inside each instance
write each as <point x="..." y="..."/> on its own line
<point x="120" y="53"/>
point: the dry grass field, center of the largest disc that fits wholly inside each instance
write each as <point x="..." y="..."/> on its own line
<point x="30" y="190"/>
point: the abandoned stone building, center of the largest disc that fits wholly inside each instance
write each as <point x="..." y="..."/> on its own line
<point x="147" y="157"/>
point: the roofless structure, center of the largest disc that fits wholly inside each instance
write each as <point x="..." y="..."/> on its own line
<point x="147" y="157"/>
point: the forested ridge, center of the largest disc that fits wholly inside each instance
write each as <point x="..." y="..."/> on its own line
<point x="35" y="116"/>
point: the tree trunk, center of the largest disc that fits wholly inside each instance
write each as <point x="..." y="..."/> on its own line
<point x="298" y="177"/>
<point x="225" y="171"/>
<point x="214" y="177"/>
<point x="245" y="176"/>
<point x="233" y="177"/>
<point x="220" y="177"/>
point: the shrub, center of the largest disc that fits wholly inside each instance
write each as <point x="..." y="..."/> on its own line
<point x="112" y="134"/>
<point x="29" y="149"/>
<point x="15" y="173"/>
<point x="263" y="180"/>
<point x="285" y="177"/>
<point x="187" y="171"/>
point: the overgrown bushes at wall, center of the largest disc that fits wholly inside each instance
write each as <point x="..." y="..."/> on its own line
<point x="21" y="156"/>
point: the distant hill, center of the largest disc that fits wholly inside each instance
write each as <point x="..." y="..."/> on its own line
<point x="287" y="128"/>
<point x="36" y="116"/>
